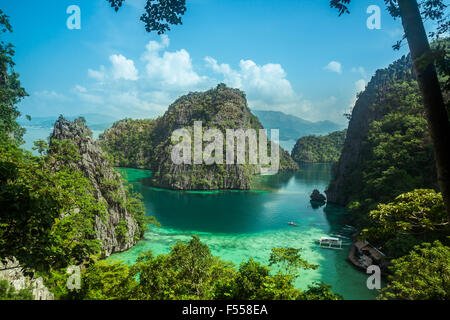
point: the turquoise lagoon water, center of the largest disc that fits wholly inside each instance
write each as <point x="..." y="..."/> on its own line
<point x="238" y="225"/>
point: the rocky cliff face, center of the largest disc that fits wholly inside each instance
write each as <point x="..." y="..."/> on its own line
<point x="107" y="183"/>
<point x="12" y="272"/>
<point x="221" y="108"/>
<point x="368" y="108"/>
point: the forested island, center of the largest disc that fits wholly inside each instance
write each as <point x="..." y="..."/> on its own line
<point x="319" y="149"/>
<point x="221" y="108"/>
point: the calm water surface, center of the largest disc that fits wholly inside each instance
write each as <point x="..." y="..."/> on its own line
<point x="238" y="225"/>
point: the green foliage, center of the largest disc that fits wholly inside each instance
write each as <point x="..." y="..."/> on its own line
<point x="412" y="218"/>
<point x="189" y="271"/>
<point x="122" y="230"/>
<point x="319" y="291"/>
<point x="8" y="292"/>
<point x="41" y="147"/>
<point x="106" y="281"/>
<point x="11" y="92"/>
<point x="184" y="274"/>
<point x="320" y="149"/>
<point x="423" y="274"/>
<point x="51" y="214"/>
<point x="289" y="260"/>
<point x="65" y="151"/>
<point x="129" y="143"/>
<point x="159" y="14"/>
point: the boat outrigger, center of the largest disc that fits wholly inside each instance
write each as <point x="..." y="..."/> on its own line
<point x="330" y="243"/>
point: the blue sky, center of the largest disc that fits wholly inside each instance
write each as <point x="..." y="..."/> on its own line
<point x="298" y="57"/>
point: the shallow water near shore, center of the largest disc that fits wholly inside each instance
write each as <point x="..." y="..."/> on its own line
<point x="238" y="225"/>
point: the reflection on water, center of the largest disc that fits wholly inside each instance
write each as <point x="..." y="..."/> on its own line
<point x="242" y="224"/>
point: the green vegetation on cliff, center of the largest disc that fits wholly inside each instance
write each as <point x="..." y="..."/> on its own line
<point x="319" y="149"/>
<point x="129" y="143"/>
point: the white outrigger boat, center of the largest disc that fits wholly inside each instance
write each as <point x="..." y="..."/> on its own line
<point x="330" y="243"/>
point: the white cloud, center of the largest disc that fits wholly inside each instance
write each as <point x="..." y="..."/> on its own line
<point x="360" y="85"/>
<point x="123" y="68"/>
<point x="146" y="87"/>
<point x="334" y="66"/>
<point x="80" y="89"/>
<point x="266" y="85"/>
<point x="51" y="95"/>
<point x="97" y="75"/>
<point x="172" y="69"/>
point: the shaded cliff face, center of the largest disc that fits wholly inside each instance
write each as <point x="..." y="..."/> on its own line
<point x="368" y="108"/>
<point x="388" y="149"/>
<point x="118" y="230"/>
<point x="221" y="108"/>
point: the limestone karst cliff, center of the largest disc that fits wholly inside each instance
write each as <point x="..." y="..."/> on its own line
<point x="118" y="230"/>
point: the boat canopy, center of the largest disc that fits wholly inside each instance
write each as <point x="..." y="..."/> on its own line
<point x="329" y="239"/>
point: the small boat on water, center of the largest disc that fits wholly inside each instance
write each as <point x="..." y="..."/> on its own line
<point x="330" y="243"/>
<point x="293" y="224"/>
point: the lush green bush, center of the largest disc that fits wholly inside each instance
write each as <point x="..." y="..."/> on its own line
<point x="8" y="292"/>
<point x="423" y="274"/>
<point x="412" y="218"/>
<point x="190" y="271"/>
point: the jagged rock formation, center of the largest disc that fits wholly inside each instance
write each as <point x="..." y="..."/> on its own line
<point x="107" y="183"/>
<point x="12" y="272"/>
<point x="316" y="196"/>
<point x="130" y="150"/>
<point x="221" y="108"/>
<point x="319" y="149"/>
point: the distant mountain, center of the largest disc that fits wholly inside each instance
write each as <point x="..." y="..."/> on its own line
<point x="94" y="121"/>
<point x="292" y="127"/>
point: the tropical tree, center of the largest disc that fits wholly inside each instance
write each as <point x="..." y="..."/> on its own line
<point x="11" y="91"/>
<point x="423" y="274"/>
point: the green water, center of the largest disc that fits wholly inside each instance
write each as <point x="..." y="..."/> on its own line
<point x="238" y="225"/>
